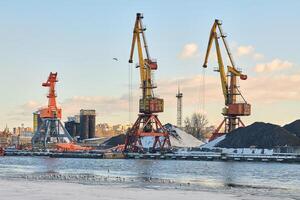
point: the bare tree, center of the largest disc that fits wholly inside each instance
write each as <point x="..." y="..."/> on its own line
<point x="196" y="124"/>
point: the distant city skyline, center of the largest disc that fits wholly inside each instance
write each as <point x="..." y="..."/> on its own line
<point x="80" y="39"/>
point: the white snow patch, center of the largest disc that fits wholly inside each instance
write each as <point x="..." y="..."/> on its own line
<point x="213" y="143"/>
<point x="178" y="138"/>
<point x="236" y="151"/>
<point x="184" y="139"/>
<point x="247" y="151"/>
<point x="35" y="190"/>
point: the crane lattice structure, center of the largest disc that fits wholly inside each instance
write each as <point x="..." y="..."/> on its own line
<point x="233" y="109"/>
<point x="147" y="124"/>
<point x="179" y="96"/>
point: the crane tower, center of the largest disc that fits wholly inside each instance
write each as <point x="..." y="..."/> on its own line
<point x="147" y="124"/>
<point x="179" y="96"/>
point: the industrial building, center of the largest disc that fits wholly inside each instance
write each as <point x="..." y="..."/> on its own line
<point x="73" y="127"/>
<point x="37" y="121"/>
<point x="87" y="124"/>
<point x="5" y="138"/>
<point x="82" y="126"/>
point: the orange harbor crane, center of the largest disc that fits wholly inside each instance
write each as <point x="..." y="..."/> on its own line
<point x="233" y="109"/>
<point x="147" y="123"/>
<point x="52" y="110"/>
<point x="51" y="131"/>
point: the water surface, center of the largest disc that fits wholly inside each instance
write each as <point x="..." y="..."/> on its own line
<point x="275" y="179"/>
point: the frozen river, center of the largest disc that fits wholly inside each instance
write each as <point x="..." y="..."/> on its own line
<point x="270" y="180"/>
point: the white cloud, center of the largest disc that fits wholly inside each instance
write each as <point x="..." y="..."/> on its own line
<point x="245" y="50"/>
<point x="23" y="113"/>
<point x="248" y="50"/>
<point x="190" y="50"/>
<point x="274" y="65"/>
<point x="264" y="89"/>
<point x="104" y="105"/>
<point x="261" y="89"/>
<point x="112" y="109"/>
<point x="258" y="56"/>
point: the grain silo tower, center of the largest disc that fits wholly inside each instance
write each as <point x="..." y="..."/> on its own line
<point x="87" y="124"/>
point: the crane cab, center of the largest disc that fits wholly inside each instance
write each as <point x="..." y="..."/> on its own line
<point x="152" y="64"/>
<point x="151" y="105"/>
<point x="243" y="77"/>
<point x="237" y="109"/>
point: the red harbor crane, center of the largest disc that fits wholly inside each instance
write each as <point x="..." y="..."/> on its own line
<point x="52" y="110"/>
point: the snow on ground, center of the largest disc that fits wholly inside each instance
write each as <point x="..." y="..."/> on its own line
<point x="37" y="190"/>
<point x="184" y="139"/>
<point x="178" y="138"/>
<point x="213" y="143"/>
<point x="247" y="151"/>
<point x="238" y="151"/>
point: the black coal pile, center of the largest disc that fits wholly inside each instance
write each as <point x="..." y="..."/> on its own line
<point x="293" y="127"/>
<point x="259" y="135"/>
<point x="114" y="141"/>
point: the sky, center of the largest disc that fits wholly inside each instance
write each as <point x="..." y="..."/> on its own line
<point x="79" y="39"/>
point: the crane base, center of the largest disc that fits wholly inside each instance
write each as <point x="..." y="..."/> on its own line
<point x="228" y="127"/>
<point x="50" y="132"/>
<point x="147" y="125"/>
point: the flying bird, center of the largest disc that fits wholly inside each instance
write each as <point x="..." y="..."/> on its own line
<point x="116" y="59"/>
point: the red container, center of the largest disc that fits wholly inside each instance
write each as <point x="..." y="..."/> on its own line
<point x="153" y="105"/>
<point x="239" y="109"/>
<point x="156" y="105"/>
<point x="152" y="64"/>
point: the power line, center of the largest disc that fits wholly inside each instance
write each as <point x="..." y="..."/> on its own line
<point x="129" y="92"/>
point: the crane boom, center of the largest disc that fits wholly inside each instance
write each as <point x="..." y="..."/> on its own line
<point x="148" y="103"/>
<point x="52" y="79"/>
<point x="229" y="87"/>
<point x="52" y="110"/>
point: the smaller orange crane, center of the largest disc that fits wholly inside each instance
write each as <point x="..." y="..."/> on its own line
<point x="51" y="131"/>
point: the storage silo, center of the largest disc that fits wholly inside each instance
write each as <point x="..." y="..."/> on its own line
<point x="84" y="125"/>
<point x="71" y="128"/>
<point x="92" y="125"/>
<point x="87" y="124"/>
<point x="77" y="129"/>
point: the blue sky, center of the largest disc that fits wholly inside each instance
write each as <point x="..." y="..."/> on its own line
<point x="79" y="38"/>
